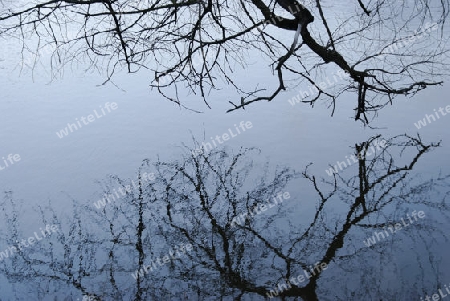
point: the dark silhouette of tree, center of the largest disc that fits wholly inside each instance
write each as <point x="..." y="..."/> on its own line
<point x="240" y="251"/>
<point x="252" y="257"/>
<point x="386" y="48"/>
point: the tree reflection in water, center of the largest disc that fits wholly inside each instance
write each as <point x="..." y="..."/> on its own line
<point x="194" y="201"/>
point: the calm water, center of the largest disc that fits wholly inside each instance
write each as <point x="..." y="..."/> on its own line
<point x="145" y="126"/>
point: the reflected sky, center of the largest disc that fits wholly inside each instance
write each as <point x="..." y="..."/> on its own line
<point x="144" y="126"/>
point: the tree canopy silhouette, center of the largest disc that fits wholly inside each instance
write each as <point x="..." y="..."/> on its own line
<point x="387" y="48"/>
